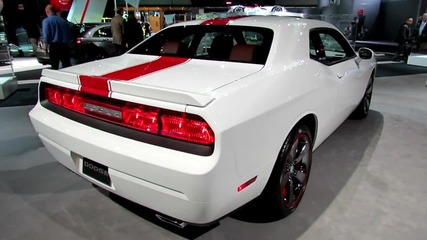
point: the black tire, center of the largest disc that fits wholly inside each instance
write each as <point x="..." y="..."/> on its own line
<point x="290" y="175"/>
<point x="362" y="109"/>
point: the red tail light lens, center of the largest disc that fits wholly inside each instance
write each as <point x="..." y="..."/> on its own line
<point x="177" y="125"/>
<point x="187" y="128"/>
<point x="144" y="118"/>
<point x="79" y="40"/>
<point x="53" y="95"/>
<point x="72" y="101"/>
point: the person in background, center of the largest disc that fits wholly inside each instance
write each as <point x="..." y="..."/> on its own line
<point x="147" y="28"/>
<point x="133" y="33"/>
<point x="75" y="33"/>
<point x="33" y="33"/>
<point x="56" y="35"/>
<point x="420" y="33"/>
<point x="360" y="27"/>
<point x="403" y="39"/>
<point x="117" y="30"/>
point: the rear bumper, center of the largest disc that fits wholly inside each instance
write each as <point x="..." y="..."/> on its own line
<point x="156" y="197"/>
<point x="194" y="189"/>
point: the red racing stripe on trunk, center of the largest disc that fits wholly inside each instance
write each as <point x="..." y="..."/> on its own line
<point x="146" y="68"/>
<point x="99" y="85"/>
<point x="94" y="85"/>
<point x="221" y="21"/>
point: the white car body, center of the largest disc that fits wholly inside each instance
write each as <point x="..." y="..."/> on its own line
<point x="251" y="108"/>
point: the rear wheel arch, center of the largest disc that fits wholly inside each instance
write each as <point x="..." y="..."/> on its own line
<point x="362" y="110"/>
<point x="272" y="198"/>
<point x="310" y="121"/>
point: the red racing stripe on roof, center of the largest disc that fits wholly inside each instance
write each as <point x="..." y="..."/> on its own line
<point x="99" y="85"/>
<point x="221" y="21"/>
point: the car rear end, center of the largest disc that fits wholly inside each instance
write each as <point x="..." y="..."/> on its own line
<point x="144" y="127"/>
<point x="163" y="174"/>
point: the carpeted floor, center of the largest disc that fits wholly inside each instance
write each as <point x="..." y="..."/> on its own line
<point x="25" y="95"/>
<point x="398" y="69"/>
<point x="25" y="75"/>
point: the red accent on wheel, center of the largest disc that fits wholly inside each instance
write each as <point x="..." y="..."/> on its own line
<point x="284" y="192"/>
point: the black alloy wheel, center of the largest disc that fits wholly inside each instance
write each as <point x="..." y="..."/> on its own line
<point x="368" y="96"/>
<point x="362" y="109"/>
<point x="290" y="175"/>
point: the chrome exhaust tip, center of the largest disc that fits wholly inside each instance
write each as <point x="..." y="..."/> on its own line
<point x="171" y="221"/>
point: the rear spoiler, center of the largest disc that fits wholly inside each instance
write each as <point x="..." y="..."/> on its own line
<point x="122" y="88"/>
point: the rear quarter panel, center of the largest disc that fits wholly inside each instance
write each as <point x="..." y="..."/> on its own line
<point x="253" y="116"/>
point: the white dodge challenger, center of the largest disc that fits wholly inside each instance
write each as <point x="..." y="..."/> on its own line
<point x="207" y="115"/>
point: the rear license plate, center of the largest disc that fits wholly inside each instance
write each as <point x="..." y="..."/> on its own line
<point x="96" y="171"/>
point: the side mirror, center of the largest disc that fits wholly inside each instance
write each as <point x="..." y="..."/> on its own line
<point x="365" y="53"/>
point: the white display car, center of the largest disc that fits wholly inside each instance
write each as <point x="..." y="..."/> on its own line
<point x="207" y="115"/>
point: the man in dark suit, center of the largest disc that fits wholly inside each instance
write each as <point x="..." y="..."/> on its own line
<point x="404" y="39"/>
<point x="420" y="33"/>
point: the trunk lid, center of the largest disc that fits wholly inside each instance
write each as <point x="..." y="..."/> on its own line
<point x="180" y="80"/>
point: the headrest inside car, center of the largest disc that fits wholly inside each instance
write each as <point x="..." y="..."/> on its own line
<point x="221" y="47"/>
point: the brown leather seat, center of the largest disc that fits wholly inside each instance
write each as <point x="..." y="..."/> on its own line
<point x="173" y="47"/>
<point x="242" y="53"/>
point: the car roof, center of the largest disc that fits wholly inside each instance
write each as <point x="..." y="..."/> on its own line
<point x="266" y="21"/>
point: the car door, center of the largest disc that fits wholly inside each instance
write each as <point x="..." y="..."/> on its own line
<point x="334" y="51"/>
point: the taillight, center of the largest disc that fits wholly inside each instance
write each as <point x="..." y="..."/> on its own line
<point x="79" y="40"/>
<point x="54" y="95"/>
<point x="72" y="101"/>
<point x="177" y="125"/>
<point x="186" y="127"/>
<point x="141" y="117"/>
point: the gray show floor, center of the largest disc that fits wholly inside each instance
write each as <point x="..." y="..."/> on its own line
<point x="368" y="182"/>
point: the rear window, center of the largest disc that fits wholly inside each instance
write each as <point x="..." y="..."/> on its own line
<point x="222" y="43"/>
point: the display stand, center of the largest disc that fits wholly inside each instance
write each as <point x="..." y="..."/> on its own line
<point x="8" y="85"/>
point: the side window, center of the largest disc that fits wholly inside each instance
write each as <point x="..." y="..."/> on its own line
<point x="333" y="50"/>
<point x="329" y="47"/>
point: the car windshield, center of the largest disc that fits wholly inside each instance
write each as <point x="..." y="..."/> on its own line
<point x="211" y="42"/>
